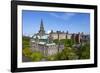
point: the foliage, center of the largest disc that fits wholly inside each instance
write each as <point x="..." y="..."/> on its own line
<point x="27" y="52"/>
<point x="70" y="53"/>
<point x="25" y="42"/>
<point x="85" y="54"/>
<point x="65" y="42"/>
<point x="36" y="56"/>
<point x="67" y="54"/>
<point x="51" y="58"/>
<point x="56" y="41"/>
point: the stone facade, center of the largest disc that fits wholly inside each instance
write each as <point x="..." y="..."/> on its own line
<point x="60" y="35"/>
<point x="43" y="42"/>
<point x="65" y="35"/>
<point x="46" y="48"/>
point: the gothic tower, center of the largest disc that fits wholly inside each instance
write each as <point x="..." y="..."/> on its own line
<point x="41" y="31"/>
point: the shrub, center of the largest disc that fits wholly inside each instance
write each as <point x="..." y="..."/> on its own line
<point x="36" y="56"/>
<point x="26" y="42"/>
<point x="85" y="54"/>
<point x="51" y="58"/>
<point x="27" y="52"/>
<point x="67" y="54"/>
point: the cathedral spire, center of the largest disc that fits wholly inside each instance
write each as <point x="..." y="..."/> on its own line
<point x="41" y="25"/>
<point x="41" y="31"/>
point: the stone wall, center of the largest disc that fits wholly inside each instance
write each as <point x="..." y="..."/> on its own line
<point x="52" y="50"/>
<point x="69" y="36"/>
<point x="46" y="50"/>
<point x="61" y="36"/>
<point x="54" y="36"/>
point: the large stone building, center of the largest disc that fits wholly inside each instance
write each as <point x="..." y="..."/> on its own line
<point x="43" y="42"/>
<point x="60" y="35"/>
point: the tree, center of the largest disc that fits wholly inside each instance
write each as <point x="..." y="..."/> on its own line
<point x="65" y="42"/>
<point x="66" y="54"/>
<point x="56" y="41"/>
<point x="51" y="58"/>
<point x="25" y="42"/>
<point x="27" y="52"/>
<point x="36" y="56"/>
<point x="85" y="53"/>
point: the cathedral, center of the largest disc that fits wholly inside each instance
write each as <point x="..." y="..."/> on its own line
<point x="43" y="42"/>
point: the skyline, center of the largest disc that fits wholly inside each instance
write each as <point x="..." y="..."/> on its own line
<point x="56" y="21"/>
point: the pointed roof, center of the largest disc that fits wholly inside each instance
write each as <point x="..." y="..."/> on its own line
<point x="41" y="31"/>
<point x="41" y="25"/>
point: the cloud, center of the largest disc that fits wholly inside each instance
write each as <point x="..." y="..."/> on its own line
<point x="54" y="14"/>
<point x="64" y="16"/>
<point x="48" y="31"/>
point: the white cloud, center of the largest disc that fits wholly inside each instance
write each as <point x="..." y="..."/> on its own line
<point x="48" y="31"/>
<point x="65" y="16"/>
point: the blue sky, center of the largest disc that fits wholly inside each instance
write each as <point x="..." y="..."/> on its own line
<point x="61" y="21"/>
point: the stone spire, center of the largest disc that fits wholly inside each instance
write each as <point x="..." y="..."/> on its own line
<point x="41" y="31"/>
<point x="41" y="26"/>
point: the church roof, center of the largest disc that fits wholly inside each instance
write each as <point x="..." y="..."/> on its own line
<point x="50" y="44"/>
<point x="41" y="37"/>
<point x="44" y="37"/>
<point x="42" y="43"/>
<point x="47" y="44"/>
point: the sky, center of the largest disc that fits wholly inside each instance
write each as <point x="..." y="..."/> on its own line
<point x="56" y="21"/>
